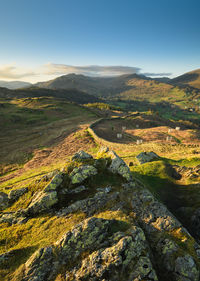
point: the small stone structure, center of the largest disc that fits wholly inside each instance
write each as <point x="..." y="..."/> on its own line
<point x="169" y="138"/>
<point x="139" y="141"/>
<point x="119" y="136"/>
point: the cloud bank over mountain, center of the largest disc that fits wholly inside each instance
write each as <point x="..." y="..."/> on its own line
<point x="52" y="70"/>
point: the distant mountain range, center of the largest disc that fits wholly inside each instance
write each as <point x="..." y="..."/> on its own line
<point x="134" y="87"/>
<point x="109" y="86"/>
<point x="14" y="84"/>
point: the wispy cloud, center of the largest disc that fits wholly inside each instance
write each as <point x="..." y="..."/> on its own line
<point x="52" y="70"/>
<point x="13" y="72"/>
<point x="162" y="74"/>
<point x="91" y="70"/>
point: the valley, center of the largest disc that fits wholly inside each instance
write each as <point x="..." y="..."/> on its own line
<point x="58" y="154"/>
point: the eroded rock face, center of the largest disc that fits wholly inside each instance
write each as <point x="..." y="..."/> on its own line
<point x="80" y="174"/>
<point x="145" y="157"/>
<point x="113" y="255"/>
<point x="161" y="228"/>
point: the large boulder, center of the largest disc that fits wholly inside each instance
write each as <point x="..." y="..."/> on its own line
<point x="81" y="155"/>
<point x="4" y="201"/>
<point x="80" y="174"/>
<point x="118" y="166"/>
<point x="145" y="157"/>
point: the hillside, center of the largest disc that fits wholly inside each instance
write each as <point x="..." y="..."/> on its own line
<point x="71" y="95"/>
<point x="90" y="216"/>
<point x="188" y="79"/>
<point x="28" y="124"/>
<point x="136" y="88"/>
<point x="92" y="220"/>
<point x="98" y="86"/>
<point x="14" y="84"/>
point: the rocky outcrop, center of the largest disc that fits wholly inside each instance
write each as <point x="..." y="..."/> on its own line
<point x="46" y="198"/>
<point x="80" y="174"/>
<point x="164" y="231"/>
<point x="112" y="254"/>
<point x="15" y="194"/>
<point x="128" y="235"/>
<point x="145" y="157"/>
<point x="118" y="166"/>
<point x="81" y="156"/>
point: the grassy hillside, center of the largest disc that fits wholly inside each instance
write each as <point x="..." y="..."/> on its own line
<point x="191" y="79"/>
<point x="71" y="95"/>
<point x="28" y="124"/>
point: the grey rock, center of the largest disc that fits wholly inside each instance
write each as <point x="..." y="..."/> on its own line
<point x="145" y="157"/>
<point x="4" y="201"/>
<point x="76" y="190"/>
<point x="15" y="194"/>
<point x="81" y="155"/>
<point x="90" y="205"/>
<point x="39" y="267"/>
<point x="118" y="166"/>
<point x="50" y="175"/>
<point x="42" y="201"/>
<point x="80" y="174"/>
<point x="55" y="183"/>
<point x="186" y="268"/>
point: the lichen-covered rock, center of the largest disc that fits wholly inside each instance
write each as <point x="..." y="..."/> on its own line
<point x="81" y="155"/>
<point x="125" y="260"/>
<point x="55" y="183"/>
<point x="145" y="157"/>
<point x="48" y="176"/>
<point x="40" y="266"/>
<point x="159" y="223"/>
<point x="92" y="204"/>
<point x="42" y="202"/>
<point x="4" y="201"/>
<point x="112" y="254"/>
<point x="118" y="166"/>
<point x="186" y="268"/>
<point x="15" y="194"/>
<point x="80" y="174"/>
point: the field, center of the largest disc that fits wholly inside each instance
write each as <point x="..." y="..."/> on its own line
<point x="148" y="128"/>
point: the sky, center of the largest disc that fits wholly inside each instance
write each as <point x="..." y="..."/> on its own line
<point x="43" y="39"/>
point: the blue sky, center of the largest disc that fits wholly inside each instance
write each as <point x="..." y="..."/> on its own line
<point x="41" y="39"/>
